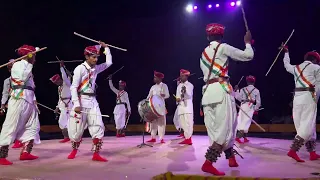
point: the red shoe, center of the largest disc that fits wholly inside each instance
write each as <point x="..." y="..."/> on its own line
<point x="17" y="144"/>
<point x="233" y="162"/>
<point x="152" y="140"/>
<point x="73" y="154"/>
<point x="181" y="135"/>
<point x="245" y="140"/>
<point x="97" y="157"/>
<point x="293" y="155"/>
<point x="314" y="156"/>
<point x="27" y="156"/>
<point x="239" y="141"/>
<point x="186" y="141"/>
<point x="64" y="140"/>
<point x="162" y="141"/>
<point x="208" y="167"/>
<point x="118" y="135"/>
<point x="123" y="135"/>
<point x="4" y="161"/>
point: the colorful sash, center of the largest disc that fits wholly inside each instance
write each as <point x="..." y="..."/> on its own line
<point x="86" y="83"/>
<point x="120" y="93"/>
<point x="248" y="95"/>
<point x="16" y="93"/>
<point x="303" y="81"/>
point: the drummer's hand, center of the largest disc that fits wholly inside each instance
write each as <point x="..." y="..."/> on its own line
<point x="163" y="95"/>
<point x="77" y="110"/>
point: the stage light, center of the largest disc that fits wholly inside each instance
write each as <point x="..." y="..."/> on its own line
<point x="232" y="3"/>
<point x="189" y="8"/>
<point x="217" y="5"/>
<point x="195" y="7"/>
<point x="209" y="6"/>
<point x="238" y="3"/>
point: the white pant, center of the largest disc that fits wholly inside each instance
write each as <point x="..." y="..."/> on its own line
<point x="220" y="121"/>
<point x="244" y="121"/>
<point x="304" y="118"/>
<point x="158" y="125"/>
<point x="64" y="118"/>
<point x="93" y="122"/>
<point x="120" y="120"/>
<point x="21" y="123"/>
<point x="176" y="120"/>
<point x="186" y="121"/>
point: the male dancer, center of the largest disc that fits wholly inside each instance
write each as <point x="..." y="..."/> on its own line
<point x="22" y="121"/>
<point x="86" y="109"/>
<point x="250" y="102"/>
<point x="64" y="102"/>
<point x="217" y="101"/>
<point x="185" y="106"/>
<point x="307" y="78"/>
<point x="176" y="116"/>
<point x="5" y="96"/>
<point x="162" y="90"/>
<point x="122" y="110"/>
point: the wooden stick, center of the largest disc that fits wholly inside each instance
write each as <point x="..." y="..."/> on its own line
<point x="65" y="61"/>
<point x="240" y="80"/>
<point x="250" y="118"/>
<point x="22" y="57"/>
<point x="65" y="68"/>
<point x="115" y="72"/>
<point x="244" y="18"/>
<point x="98" y="41"/>
<point x="46" y="107"/>
<point x="279" y="53"/>
<point x="260" y="109"/>
<point x="200" y="77"/>
<point x="179" y="77"/>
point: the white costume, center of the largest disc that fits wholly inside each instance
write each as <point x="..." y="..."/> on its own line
<point x="176" y="120"/>
<point x="120" y="110"/>
<point x="64" y="102"/>
<point x="185" y="108"/>
<point x="159" y="125"/>
<point x="304" y="109"/>
<point x="248" y="96"/>
<point x="21" y="121"/>
<point x="218" y="103"/>
<point x="5" y="91"/>
<point x="83" y="95"/>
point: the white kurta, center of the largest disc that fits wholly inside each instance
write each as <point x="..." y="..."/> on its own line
<point x="84" y="79"/>
<point x="185" y="108"/>
<point x="247" y="96"/>
<point x="218" y="103"/>
<point x="304" y="103"/>
<point x="64" y="102"/>
<point x="22" y="122"/>
<point x="159" y="125"/>
<point x="5" y="91"/>
<point x="120" y="108"/>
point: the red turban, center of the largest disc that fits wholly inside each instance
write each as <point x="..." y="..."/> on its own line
<point x="122" y="83"/>
<point x="25" y="49"/>
<point x="215" y="29"/>
<point x="313" y="54"/>
<point x="251" y="78"/>
<point x="55" y="78"/>
<point x="158" y="74"/>
<point x="92" y="50"/>
<point x="184" y="72"/>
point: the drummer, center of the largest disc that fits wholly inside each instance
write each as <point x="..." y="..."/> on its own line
<point x="160" y="89"/>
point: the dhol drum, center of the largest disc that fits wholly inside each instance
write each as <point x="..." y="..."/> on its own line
<point x="152" y="108"/>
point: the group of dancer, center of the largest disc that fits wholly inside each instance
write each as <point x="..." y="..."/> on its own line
<point x="78" y="108"/>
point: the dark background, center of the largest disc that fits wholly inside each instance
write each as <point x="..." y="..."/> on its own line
<point x="159" y="35"/>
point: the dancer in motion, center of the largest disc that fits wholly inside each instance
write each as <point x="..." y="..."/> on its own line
<point x="185" y="106"/>
<point x="22" y="121"/>
<point x="64" y="103"/>
<point x="217" y="101"/>
<point x="122" y="110"/>
<point x="307" y="79"/>
<point x="250" y="102"/>
<point x="5" y="96"/>
<point x="86" y="109"/>
<point x="176" y="116"/>
<point x="162" y="90"/>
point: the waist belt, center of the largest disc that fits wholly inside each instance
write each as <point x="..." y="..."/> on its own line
<point x="245" y="101"/>
<point x="121" y="103"/>
<point x="87" y="94"/>
<point x="23" y="87"/>
<point x="219" y="79"/>
<point x="65" y="98"/>
<point x="311" y="89"/>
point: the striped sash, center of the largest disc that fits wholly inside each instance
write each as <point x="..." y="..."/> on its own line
<point x="248" y="95"/>
<point x="16" y="93"/>
<point x="303" y="81"/>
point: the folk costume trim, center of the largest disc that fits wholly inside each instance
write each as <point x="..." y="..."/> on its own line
<point x="303" y="81"/>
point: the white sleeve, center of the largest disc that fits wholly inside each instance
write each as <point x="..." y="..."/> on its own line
<point x="103" y="66"/>
<point x="74" y="86"/>
<point x="65" y="78"/>
<point x="237" y="54"/>
<point x="116" y="91"/>
<point x="287" y="65"/>
<point x="5" y="91"/>
<point x="258" y="100"/>
<point x="128" y="102"/>
<point x="166" y="92"/>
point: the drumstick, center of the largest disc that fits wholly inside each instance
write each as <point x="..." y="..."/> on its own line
<point x="244" y="18"/>
<point x="22" y="57"/>
<point x="98" y="41"/>
<point x="179" y="77"/>
<point x="250" y="118"/>
<point x="115" y="72"/>
<point x="240" y="81"/>
<point x="65" y="61"/>
<point x="279" y="53"/>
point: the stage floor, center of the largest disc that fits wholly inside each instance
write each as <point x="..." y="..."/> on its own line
<point x="263" y="158"/>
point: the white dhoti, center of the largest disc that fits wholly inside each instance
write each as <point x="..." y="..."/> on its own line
<point x="64" y="118"/>
<point x="120" y="116"/>
<point x="186" y="121"/>
<point x="93" y="122"/>
<point x="220" y="121"/>
<point x="21" y="123"/>
<point x="244" y="121"/>
<point x="176" y="120"/>
<point x="158" y="125"/>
